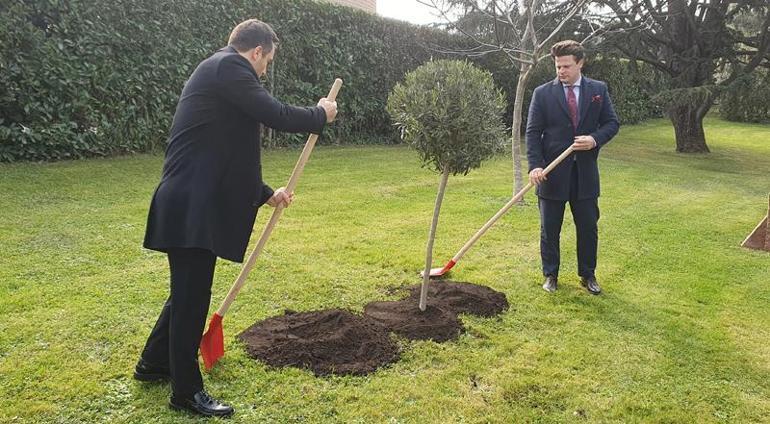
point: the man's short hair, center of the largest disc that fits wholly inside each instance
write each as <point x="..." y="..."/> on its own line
<point x="567" y="48"/>
<point x="252" y="33"/>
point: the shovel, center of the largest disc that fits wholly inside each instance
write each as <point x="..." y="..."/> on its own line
<point x="212" y="344"/>
<point x="438" y="272"/>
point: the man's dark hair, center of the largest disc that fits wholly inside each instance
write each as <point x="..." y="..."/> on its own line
<point x="566" y="48"/>
<point x="252" y="33"/>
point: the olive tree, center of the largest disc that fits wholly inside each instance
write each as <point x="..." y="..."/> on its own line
<point x="451" y="113"/>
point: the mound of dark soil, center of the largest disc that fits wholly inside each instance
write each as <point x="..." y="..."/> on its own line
<point x="326" y="342"/>
<point x="339" y="342"/>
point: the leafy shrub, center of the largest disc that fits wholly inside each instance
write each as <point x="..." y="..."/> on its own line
<point x="746" y="99"/>
<point x="451" y="113"/>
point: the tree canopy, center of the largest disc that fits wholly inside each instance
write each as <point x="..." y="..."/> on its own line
<point x="451" y="113"/>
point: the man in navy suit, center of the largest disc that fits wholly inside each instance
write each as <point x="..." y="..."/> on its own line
<point x="206" y="202"/>
<point x="570" y="110"/>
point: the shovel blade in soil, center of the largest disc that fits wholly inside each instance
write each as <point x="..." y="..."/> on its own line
<point x="212" y="345"/>
<point x="438" y="272"/>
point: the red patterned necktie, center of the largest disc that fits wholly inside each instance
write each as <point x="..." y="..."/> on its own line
<point x="572" y="104"/>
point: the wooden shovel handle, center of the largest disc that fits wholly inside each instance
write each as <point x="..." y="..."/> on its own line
<point x="508" y="205"/>
<point x="310" y="143"/>
<point x="296" y="173"/>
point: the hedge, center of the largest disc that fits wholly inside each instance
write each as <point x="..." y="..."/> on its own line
<point x="96" y="77"/>
<point x="82" y="78"/>
<point x="746" y="99"/>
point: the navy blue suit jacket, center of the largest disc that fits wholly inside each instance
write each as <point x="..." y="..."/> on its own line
<point x="550" y="132"/>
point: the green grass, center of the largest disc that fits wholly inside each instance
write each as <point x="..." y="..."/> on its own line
<point x="680" y="335"/>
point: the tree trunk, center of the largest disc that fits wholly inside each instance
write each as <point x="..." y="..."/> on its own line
<point x="431" y="237"/>
<point x="688" y="128"/>
<point x="518" y="108"/>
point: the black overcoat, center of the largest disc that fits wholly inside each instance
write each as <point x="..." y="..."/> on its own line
<point x="550" y="132"/>
<point x="211" y="185"/>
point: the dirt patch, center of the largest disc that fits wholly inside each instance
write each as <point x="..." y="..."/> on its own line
<point x="463" y="298"/>
<point x="326" y="342"/>
<point x="339" y="342"/>
<point x="404" y="318"/>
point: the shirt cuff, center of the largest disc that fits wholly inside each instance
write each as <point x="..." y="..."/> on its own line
<point x="266" y="194"/>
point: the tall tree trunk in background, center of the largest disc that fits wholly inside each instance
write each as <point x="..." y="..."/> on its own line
<point x="518" y="109"/>
<point x="688" y="127"/>
<point x="688" y="108"/>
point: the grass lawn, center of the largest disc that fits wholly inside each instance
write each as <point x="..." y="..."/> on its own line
<point x="682" y="333"/>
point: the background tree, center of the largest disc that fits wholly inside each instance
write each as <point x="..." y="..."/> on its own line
<point x="450" y="112"/>
<point x="703" y="45"/>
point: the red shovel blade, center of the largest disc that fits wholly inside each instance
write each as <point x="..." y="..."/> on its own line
<point x="438" y="272"/>
<point x="213" y="342"/>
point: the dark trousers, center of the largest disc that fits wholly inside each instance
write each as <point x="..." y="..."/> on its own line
<point x="174" y="340"/>
<point x="585" y="214"/>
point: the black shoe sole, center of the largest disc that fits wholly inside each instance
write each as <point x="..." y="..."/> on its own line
<point x="176" y="407"/>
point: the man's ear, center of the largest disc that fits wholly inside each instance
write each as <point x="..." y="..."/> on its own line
<point x="257" y="52"/>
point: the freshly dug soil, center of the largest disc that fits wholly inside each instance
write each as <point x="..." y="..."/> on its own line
<point x="325" y="342"/>
<point x="404" y="317"/>
<point x="338" y="342"/>
<point x="463" y="298"/>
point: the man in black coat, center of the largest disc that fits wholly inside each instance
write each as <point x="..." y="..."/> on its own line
<point x="207" y="200"/>
<point x="570" y="110"/>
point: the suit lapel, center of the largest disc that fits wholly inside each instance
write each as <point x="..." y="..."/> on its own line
<point x="585" y="99"/>
<point x="558" y="90"/>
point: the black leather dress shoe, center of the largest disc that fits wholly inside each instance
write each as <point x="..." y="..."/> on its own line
<point x="150" y="373"/>
<point x="202" y="404"/>
<point x="550" y="283"/>
<point x="591" y="285"/>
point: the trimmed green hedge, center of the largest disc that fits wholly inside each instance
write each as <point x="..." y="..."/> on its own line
<point x="100" y="77"/>
<point x="83" y="78"/>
